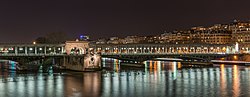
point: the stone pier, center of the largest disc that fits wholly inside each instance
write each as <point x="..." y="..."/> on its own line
<point x="86" y="62"/>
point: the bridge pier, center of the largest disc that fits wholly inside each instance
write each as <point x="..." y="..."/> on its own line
<point x="82" y="62"/>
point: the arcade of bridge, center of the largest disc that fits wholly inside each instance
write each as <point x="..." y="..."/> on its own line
<point x="70" y="47"/>
<point x="76" y="47"/>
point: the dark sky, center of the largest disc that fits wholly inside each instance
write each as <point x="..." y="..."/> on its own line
<point x="25" y="20"/>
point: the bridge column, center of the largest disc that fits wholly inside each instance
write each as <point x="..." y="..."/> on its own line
<point x="25" y="50"/>
<point x="163" y="50"/>
<point x="111" y="50"/>
<point x="128" y="49"/>
<point x="151" y="49"/>
<point x="16" y="50"/>
<point x="62" y="50"/>
<point x="45" y="50"/>
<point x="35" y="50"/>
<point x="54" y="50"/>
<point x="136" y="49"/>
<point x="121" y="50"/>
<point x="166" y="49"/>
<point x="118" y="49"/>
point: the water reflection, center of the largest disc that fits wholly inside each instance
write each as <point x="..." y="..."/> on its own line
<point x="223" y="80"/>
<point x="161" y="79"/>
<point x="236" y="80"/>
<point x="170" y="79"/>
<point x="83" y="85"/>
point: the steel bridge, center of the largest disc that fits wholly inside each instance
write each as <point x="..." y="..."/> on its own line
<point x="139" y="52"/>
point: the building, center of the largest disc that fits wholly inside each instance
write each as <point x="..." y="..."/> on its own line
<point x="216" y="36"/>
<point x="101" y="41"/>
<point x="133" y="39"/>
<point x="240" y="31"/>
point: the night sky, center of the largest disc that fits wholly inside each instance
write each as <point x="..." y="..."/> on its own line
<point x="25" y="20"/>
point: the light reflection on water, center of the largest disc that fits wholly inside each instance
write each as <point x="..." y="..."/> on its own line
<point x="161" y="79"/>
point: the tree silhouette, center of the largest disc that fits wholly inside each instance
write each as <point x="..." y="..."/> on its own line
<point x="53" y="38"/>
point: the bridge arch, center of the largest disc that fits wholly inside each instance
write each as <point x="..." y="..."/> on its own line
<point x="77" y="50"/>
<point x="76" y="47"/>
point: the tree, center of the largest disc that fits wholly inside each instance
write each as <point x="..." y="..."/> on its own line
<point x="57" y="37"/>
<point x="42" y="40"/>
<point x="53" y="38"/>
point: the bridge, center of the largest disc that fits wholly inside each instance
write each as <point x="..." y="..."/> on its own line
<point x="142" y="52"/>
<point x="70" y="47"/>
<point x="77" y="52"/>
<point x="84" y="47"/>
<point x="73" y="54"/>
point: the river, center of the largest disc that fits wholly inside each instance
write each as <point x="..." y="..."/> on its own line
<point x="162" y="79"/>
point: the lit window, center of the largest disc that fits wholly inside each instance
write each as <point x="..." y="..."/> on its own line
<point x="11" y="48"/>
<point x="31" y="49"/>
<point x="40" y="49"/>
<point x="20" y="49"/>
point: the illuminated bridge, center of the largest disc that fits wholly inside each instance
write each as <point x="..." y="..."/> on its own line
<point x="31" y="49"/>
<point x="83" y="47"/>
<point x="73" y="54"/>
<point x="144" y="52"/>
<point x="136" y="52"/>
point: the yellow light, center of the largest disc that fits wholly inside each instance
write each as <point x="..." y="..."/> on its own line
<point x="224" y="48"/>
<point x="34" y="42"/>
<point x="235" y="57"/>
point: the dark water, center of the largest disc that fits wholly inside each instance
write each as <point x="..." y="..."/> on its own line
<point x="163" y="79"/>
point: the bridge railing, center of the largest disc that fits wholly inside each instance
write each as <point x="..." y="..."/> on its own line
<point x="164" y="53"/>
<point x="55" y="54"/>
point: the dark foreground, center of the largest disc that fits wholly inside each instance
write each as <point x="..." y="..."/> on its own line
<point x="163" y="79"/>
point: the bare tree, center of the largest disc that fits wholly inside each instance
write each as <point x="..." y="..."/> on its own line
<point x="53" y="38"/>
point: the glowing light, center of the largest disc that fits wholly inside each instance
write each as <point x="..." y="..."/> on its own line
<point x="20" y="48"/>
<point x="236" y="47"/>
<point x="11" y="48"/>
<point x="236" y="81"/>
<point x="235" y="57"/>
<point x="224" y="48"/>
<point x="81" y="36"/>
<point x="34" y="42"/>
